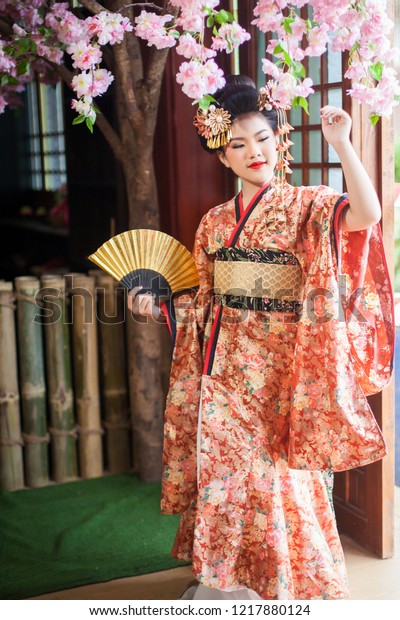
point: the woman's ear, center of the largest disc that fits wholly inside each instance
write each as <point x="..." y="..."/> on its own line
<point x="222" y="158"/>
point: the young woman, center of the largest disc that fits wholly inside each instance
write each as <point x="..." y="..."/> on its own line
<point x="291" y="328"/>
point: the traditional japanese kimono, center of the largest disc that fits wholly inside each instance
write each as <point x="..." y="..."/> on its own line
<point x="273" y="357"/>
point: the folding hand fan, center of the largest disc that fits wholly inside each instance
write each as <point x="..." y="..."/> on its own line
<point x="148" y="258"/>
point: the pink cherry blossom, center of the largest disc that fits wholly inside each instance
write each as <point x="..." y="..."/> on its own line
<point x="329" y="12"/>
<point x="233" y="35"/>
<point x="84" y="106"/>
<point x="69" y="29"/>
<point x="195" y="4"/>
<point x="345" y="39"/>
<point x="298" y="54"/>
<point x="318" y="38"/>
<point x="192" y="21"/>
<point x="214" y="76"/>
<point x="269" y="68"/>
<point x="84" y="55"/>
<point x="362" y="28"/>
<point x="269" y="21"/>
<point x="198" y="79"/>
<point x="150" y="26"/>
<point x="82" y="83"/>
<point x="53" y="54"/>
<point x="218" y="44"/>
<point x="21" y="32"/>
<point x="188" y="46"/>
<point x="7" y="65"/>
<point x="101" y="81"/>
<point x="111" y="27"/>
<point x="365" y="52"/>
<point x="304" y="89"/>
<point x="361" y="93"/>
<point x="390" y="56"/>
<point x="82" y="37"/>
<point x="298" y="27"/>
<point x="299" y="3"/>
<point x="93" y="83"/>
<point x="30" y="16"/>
<point x="351" y="19"/>
<point x="380" y="99"/>
<point x="59" y="9"/>
<point x="189" y="76"/>
<point x="93" y="26"/>
<point x="284" y="89"/>
<point x="273" y="44"/>
<point x="357" y="72"/>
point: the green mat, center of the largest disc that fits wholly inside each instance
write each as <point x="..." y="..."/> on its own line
<point x="82" y="532"/>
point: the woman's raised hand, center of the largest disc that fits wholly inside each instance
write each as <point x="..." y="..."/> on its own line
<point x="336" y="125"/>
<point x="143" y="304"/>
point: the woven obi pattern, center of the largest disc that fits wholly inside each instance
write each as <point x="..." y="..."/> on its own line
<point x="258" y="279"/>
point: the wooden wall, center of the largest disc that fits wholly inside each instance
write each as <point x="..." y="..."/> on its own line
<point x="190" y="180"/>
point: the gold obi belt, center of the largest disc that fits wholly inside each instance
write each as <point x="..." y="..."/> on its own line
<point x="268" y="280"/>
<point x="265" y="280"/>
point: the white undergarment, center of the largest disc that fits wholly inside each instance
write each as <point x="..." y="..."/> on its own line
<point x="210" y="594"/>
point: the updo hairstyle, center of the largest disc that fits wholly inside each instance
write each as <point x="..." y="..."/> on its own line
<point x="239" y="96"/>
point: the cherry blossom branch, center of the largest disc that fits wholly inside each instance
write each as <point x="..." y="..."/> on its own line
<point x="106" y="129"/>
<point x="147" y="5"/>
<point x="360" y="28"/>
<point x="157" y="61"/>
<point x="93" y="6"/>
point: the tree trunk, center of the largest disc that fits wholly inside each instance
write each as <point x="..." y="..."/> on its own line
<point x="144" y="337"/>
<point x="137" y="100"/>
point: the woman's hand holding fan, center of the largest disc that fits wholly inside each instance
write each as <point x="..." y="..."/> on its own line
<point x="151" y="265"/>
<point x="144" y="304"/>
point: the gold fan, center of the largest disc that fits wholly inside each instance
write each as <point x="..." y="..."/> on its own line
<point x="148" y="258"/>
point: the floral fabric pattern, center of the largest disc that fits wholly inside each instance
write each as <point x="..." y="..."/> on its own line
<point x="285" y="398"/>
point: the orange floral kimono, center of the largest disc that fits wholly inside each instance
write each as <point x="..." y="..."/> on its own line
<point x="266" y="394"/>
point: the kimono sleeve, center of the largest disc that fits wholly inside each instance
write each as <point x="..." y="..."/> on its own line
<point x="352" y="267"/>
<point x="186" y="315"/>
<point x="367" y="302"/>
<point x="331" y="423"/>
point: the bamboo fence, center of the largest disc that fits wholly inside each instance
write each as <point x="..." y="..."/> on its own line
<point x="111" y="312"/>
<point x="63" y="380"/>
<point x="86" y="375"/>
<point x="59" y="382"/>
<point x="11" y="463"/>
<point x="32" y="382"/>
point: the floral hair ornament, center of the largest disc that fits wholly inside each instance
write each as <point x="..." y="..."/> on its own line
<point x="267" y="102"/>
<point x="215" y="125"/>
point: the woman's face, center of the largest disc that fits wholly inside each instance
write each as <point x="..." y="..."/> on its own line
<point x="251" y="153"/>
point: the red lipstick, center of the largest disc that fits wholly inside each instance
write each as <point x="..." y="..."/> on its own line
<point x="257" y="164"/>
